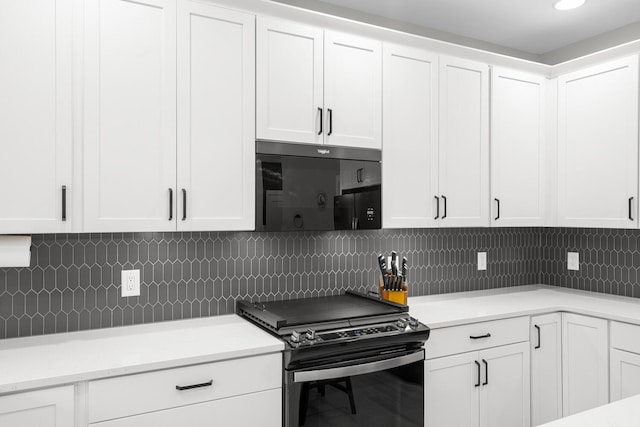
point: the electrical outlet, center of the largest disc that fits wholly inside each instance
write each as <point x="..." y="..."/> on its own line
<point x="130" y="283"/>
<point x="573" y="261"/>
<point x="482" y="260"/>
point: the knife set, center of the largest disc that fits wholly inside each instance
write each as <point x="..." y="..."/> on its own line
<point x="392" y="285"/>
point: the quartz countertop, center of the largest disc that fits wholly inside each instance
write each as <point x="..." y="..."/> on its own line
<point x="623" y="413"/>
<point x="57" y="359"/>
<point x="439" y="311"/>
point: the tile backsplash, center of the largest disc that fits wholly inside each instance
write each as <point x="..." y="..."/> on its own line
<point x="73" y="282"/>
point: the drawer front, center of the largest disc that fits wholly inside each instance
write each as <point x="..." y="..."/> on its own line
<point x="625" y="337"/>
<point x="136" y="394"/>
<point x="476" y="336"/>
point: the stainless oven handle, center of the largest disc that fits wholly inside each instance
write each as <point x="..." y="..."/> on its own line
<point x="365" y="368"/>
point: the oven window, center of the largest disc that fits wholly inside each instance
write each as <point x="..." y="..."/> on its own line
<point x="389" y="398"/>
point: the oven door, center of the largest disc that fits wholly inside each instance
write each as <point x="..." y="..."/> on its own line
<point x="388" y="392"/>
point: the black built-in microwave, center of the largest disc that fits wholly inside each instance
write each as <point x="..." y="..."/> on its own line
<point x="311" y="187"/>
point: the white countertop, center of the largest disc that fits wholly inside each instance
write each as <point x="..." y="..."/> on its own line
<point x="439" y="311"/>
<point x="78" y="356"/>
<point x="623" y="413"/>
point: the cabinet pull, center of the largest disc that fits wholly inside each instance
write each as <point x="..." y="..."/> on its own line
<point x="64" y="203"/>
<point x="497" y="213"/>
<point x="486" y="372"/>
<point x="320" y="111"/>
<point x="444" y="199"/>
<point x="538" y="329"/>
<point x="330" y="121"/>
<point x="359" y="174"/>
<point x="478" y="337"/>
<point x="192" y="386"/>
<point x="184" y="204"/>
<point x="630" y="202"/>
<point x="478" y="366"/>
<point x="437" y="207"/>
<point x="171" y="204"/>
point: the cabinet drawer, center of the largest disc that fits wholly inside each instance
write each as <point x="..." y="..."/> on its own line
<point x="136" y="394"/>
<point x="625" y="337"/>
<point x="476" y="336"/>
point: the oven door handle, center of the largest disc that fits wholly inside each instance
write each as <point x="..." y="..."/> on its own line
<point x="364" y="368"/>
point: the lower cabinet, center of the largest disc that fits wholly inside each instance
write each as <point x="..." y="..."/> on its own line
<point x="237" y="392"/>
<point x="624" y="360"/>
<point x="546" y="368"/>
<point x="585" y="367"/>
<point x="43" y="408"/>
<point x="487" y="387"/>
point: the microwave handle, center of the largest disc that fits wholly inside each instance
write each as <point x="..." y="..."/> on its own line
<point x="364" y="368"/>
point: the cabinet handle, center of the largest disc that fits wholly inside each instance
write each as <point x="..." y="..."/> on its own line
<point x="444" y="199"/>
<point x="192" y="386"/>
<point x="359" y="174"/>
<point x="538" y="329"/>
<point x="478" y="366"/>
<point x="630" y="202"/>
<point x="478" y="337"/>
<point x="498" y="213"/>
<point x="320" y="111"/>
<point x="184" y="204"/>
<point x="171" y="204"/>
<point x="486" y="372"/>
<point x="330" y="121"/>
<point x="64" y="203"/>
<point x="437" y="207"/>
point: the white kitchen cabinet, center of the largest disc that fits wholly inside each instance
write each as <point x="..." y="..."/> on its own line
<point x="410" y="137"/>
<point x="518" y="152"/>
<point x="43" y="408"/>
<point x="585" y="367"/>
<point x="546" y="368"/>
<point x="624" y="360"/>
<point x="316" y="86"/>
<point x="463" y="146"/>
<point x="216" y="118"/>
<point x="36" y="109"/>
<point x="129" y="115"/>
<point x="598" y="146"/>
<point x="488" y="387"/>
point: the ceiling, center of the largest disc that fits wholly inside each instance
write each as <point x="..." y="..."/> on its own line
<point x="531" y="29"/>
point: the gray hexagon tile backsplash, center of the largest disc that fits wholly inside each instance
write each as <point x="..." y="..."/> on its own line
<point x="73" y="282"/>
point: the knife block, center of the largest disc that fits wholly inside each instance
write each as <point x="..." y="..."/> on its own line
<point x="399" y="297"/>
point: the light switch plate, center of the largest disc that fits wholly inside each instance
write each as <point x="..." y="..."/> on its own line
<point x="573" y="261"/>
<point x="130" y="286"/>
<point x="482" y="260"/>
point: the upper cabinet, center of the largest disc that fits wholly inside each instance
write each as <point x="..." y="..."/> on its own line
<point x="517" y="148"/>
<point x="598" y="146"/>
<point x="463" y="146"/>
<point x="161" y="155"/>
<point x="216" y="118"/>
<point x="36" y="109"/>
<point x="410" y="137"/>
<point x="317" y="87"/>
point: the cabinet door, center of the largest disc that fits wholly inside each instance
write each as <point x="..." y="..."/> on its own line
<point x="129" y="115"/>
<point x="353" y="91"/>
<point x="585" y="368"/>
<point x="410" y="135"/>
<point x="451" y="389"/>
<point x="262" y="409"/>
<point x="35" y="106"/>
<point x="517" y="148"/>
<point x="464" y="143"/>
<point x="289" y="92"/>
<point x="546" y="368"/>
<point x="216" y="142"/>
<point x="598" y="146"/>
<point x="43" y="408"/>
<point x="505" y="393"/>
<point x="625" y="374"/>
